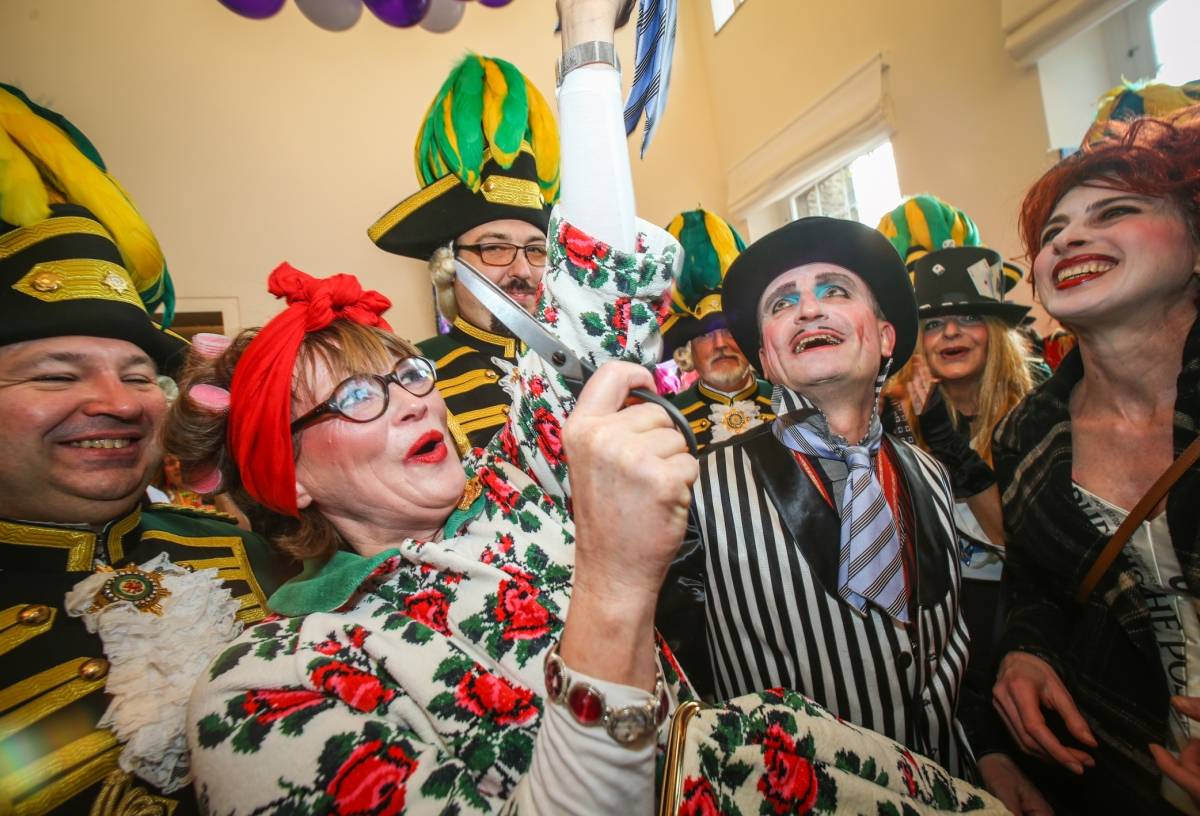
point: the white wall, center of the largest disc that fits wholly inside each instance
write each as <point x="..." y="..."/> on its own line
<point x="245" y="143"/>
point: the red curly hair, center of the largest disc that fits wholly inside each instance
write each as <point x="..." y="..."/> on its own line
<point x="1159" y="158"/>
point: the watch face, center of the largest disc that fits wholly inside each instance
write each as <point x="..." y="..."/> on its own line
<point x="629" y="724"/>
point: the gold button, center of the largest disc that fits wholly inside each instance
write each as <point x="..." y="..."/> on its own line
<point x="504" y="409"/>
<point x="489" y="185"/>
<point x="704" y="423"/>
<point x="34" y="615"/>
<point x="46" y="282"/>
<point x="490" y="375"/>
<point x="93" y="669"/>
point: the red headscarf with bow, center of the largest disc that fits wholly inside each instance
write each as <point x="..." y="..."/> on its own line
<point x="260" y="406"/>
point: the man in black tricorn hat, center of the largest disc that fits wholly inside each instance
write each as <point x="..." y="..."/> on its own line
<point x="825" y="550"/>
<point x="109" y="607"/>
<point x="486" y="198"/>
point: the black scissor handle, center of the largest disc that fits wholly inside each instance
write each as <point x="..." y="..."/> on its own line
<point x="680" y="421"/>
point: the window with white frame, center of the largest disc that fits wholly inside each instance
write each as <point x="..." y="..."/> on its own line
<point x="1173" y="26"/>
<point x="722" y="10"/>
<point x="863" y="189"/>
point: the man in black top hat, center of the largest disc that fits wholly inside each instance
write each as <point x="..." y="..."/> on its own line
<point x="109" y="607"/>
<point x="491" y="209"/>
<point x="825" y="557"/>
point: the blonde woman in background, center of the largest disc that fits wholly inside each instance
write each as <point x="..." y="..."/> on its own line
<point x="970" y="369"/>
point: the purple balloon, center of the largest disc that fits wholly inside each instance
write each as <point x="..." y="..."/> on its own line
<point x="494" y="3"/>
<point x="399" y="13"/>
<point x="254" y="9"/>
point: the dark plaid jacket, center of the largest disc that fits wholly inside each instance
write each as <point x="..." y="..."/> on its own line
<point x="1105" y="649"/>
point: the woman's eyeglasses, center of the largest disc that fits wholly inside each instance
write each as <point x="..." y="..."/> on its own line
<point x="505" y="254"/>
<point x="934" y="325"/>
<point x="364" y="397"/>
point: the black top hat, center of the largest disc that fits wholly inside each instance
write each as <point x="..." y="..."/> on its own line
<point x="437" y="214"/>
<point x="847" y="244"/>
<point x="64" y="276"/>
<point x="963" y="280"/>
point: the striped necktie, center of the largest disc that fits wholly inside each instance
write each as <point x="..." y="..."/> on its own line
<point x="870" y="564"/>
<point x="652" y="74"/>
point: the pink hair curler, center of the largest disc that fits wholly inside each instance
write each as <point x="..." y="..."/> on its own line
<point x="206" y="482"/>
<point x="210" y="345"/>
<point x="210" y="397"/>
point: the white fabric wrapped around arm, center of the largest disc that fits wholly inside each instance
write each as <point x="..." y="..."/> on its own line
<point x="597" y="183"/>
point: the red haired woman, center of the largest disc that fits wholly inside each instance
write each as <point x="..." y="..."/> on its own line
<point x="1114" y="234"/>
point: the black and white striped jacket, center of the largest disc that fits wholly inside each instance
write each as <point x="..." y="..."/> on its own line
<point x="752" y="601"/>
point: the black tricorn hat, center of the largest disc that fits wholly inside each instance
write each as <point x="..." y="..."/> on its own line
<point x="437" y="214"/>
<point x="847" y="244"/>
<point x="963" y="280"/>
<point x="64" y="276"/>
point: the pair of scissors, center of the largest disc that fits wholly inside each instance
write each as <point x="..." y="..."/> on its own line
<point x="573" y="370"/>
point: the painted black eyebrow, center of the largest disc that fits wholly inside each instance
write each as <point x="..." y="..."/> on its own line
<point x="790" y="286"/>
<point x="1098" y="205"/>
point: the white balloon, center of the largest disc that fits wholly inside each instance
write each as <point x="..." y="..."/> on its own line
<point x="331" y="15"/>
<point x="443" y="15"/>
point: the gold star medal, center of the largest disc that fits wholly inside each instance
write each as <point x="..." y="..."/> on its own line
<point x="735" y="420"/>
<point x="136" y="586"/>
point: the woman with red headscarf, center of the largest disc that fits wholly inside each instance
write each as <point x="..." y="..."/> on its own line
<point x="475" y="636"/>
<point x="1114" y="234"/>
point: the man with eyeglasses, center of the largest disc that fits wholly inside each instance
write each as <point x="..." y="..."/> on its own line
<point x="500" y="229"/>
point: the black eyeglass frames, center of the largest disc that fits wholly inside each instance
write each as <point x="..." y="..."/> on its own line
<point x="364" y="397"/>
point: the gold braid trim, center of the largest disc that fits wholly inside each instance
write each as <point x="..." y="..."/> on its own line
<point x="80" y="543"/>
<point x="242" y="571"/>
<point x="120" y="797"/>
<point x="22" y="239"/>
<point x="47" y="782"/>
<point x="464" y="383"/>
<point x="54" y="690"/>
<point x="79" y="279"/>
<point x="13" y="634"/>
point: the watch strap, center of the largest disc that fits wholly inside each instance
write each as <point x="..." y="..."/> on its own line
<point x="586" y="53"/>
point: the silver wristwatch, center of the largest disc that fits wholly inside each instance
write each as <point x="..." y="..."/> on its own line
<point x="585" y="54"/>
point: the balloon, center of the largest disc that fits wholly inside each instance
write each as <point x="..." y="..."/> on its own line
<point x="495" y="3"/>
<point x="331" y="15"/>
<point x="399" y="13"/>
<point x="254" y="9"/>
<point x="443" y="15"/>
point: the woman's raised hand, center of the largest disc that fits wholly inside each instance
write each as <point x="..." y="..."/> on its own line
<point x="631" y="477"/>
<point x="586" y="20"/>
<point x="920" y="385"/>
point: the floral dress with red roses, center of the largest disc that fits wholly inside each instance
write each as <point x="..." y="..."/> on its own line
<point x="412" y="681"/>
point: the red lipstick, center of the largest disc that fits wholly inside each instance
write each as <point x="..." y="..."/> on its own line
<point x="428" y="449"/>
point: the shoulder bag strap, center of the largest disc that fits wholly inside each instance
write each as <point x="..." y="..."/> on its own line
<point x="1139" y="513"/>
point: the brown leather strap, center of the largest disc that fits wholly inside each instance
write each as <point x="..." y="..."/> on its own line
<point x="1136" y="516"/>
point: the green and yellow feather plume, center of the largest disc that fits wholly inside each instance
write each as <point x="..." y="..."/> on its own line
<point x="44" y="159"/>
<point x="486" y="108"/>
<point x="710" y="245"/>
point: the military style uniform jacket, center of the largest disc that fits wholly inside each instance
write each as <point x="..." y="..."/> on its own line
<point x="469" y="381"/>
<point x="715" y="416"/>
<point x="53" y="758"/>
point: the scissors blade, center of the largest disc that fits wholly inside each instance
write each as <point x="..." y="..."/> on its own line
<point x="518" y="321"/>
